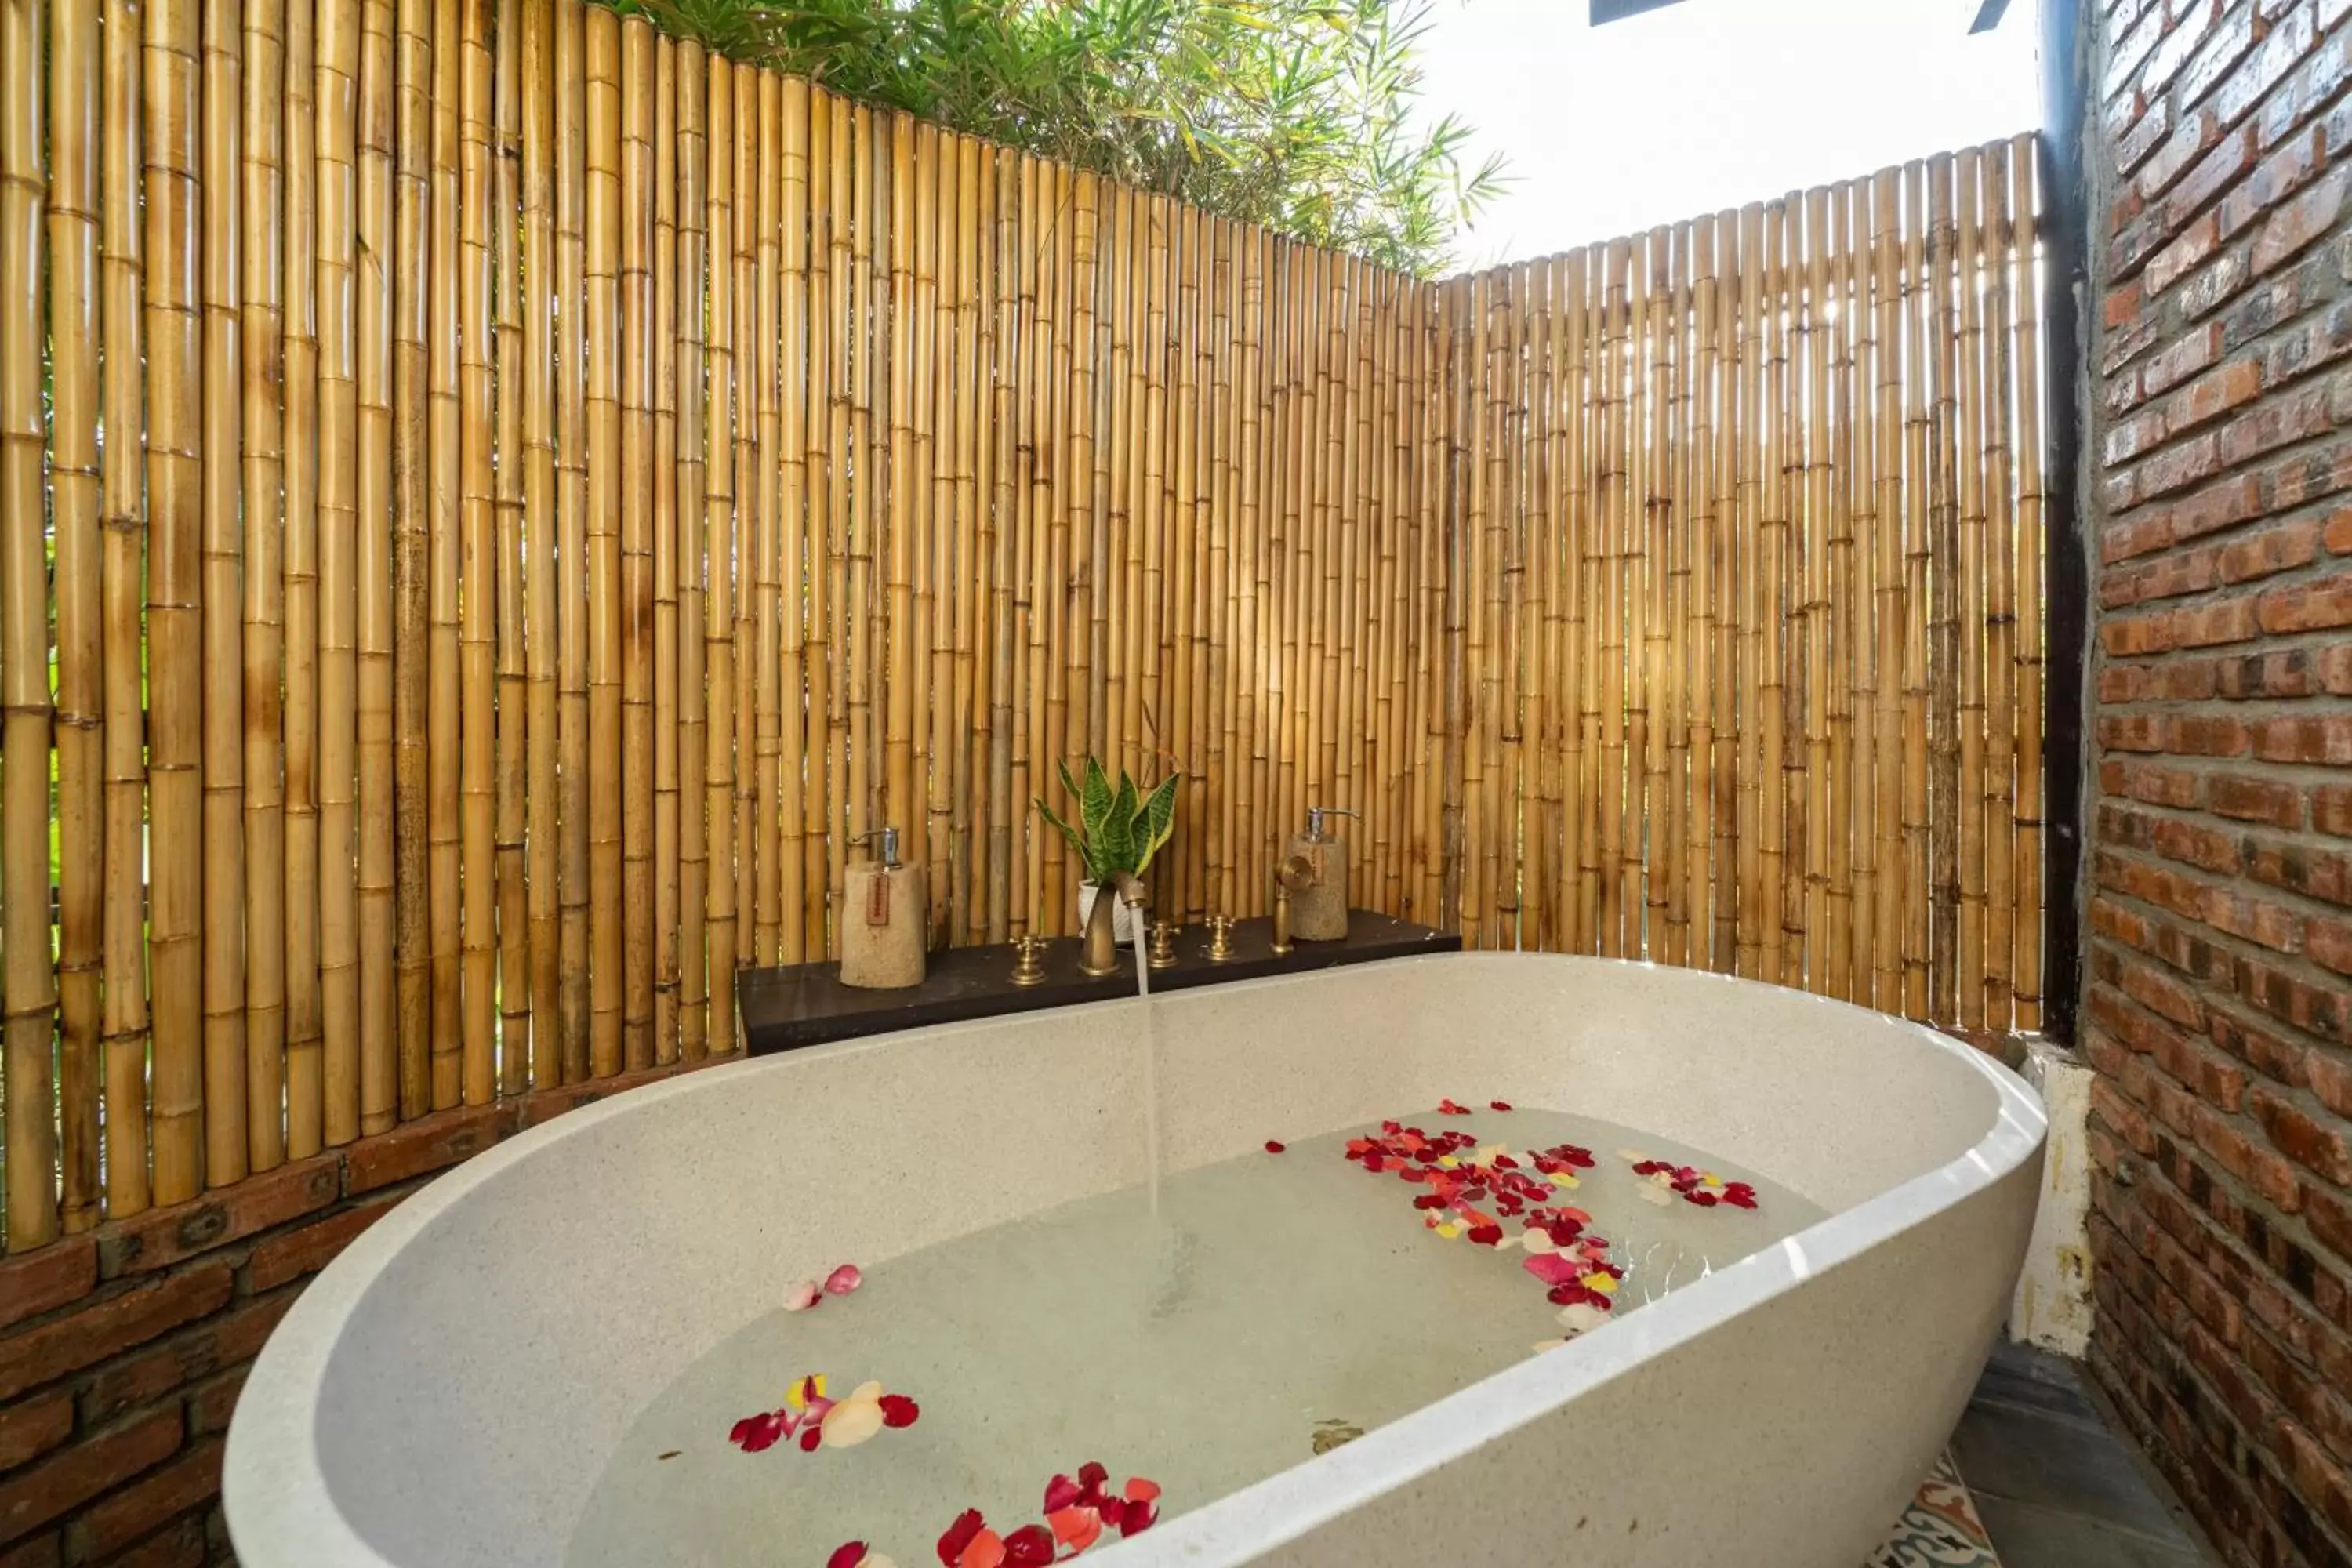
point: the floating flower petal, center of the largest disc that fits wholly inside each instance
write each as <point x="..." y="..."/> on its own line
<point x="1498" y="1105"/>
<point x="850" y="1422"/>
<point x="1031" y="1546"/>
<point x="1581" y="1317"/>
<point x="843" y="1279"/>
<point x="960" y="1535"/>
<point x="1138" y="1489"/>
<point x="986" y="1551"/>
<point x="1076" y="1528"/>
<point x="848" y="1554"/>
<point x="1447" y="1108"/>
<point x="1274" y="1147"/>
<point x="757" y="1434"/>
<point x="800" y="1294"/>
<point x="897" y="1410"/>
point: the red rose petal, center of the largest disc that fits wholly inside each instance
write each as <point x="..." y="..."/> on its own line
<point x="1272" y="1147"/>
<point x="897" y="1410"/>
<point x="1486" y="1235"/>
<point x="1702" y="1197"/>
<point x="1140" y="1517"/>
<point x="986" y="1551"/>
<point x="1061" y="1493"/>
<point x="757" y="1434"/>
<point x="1076" y="1528"/>
<point x="1447" y="1108"/>
<point x="1140" y="1490"/>
<point x="960" y="1535"/>
<point x="1498" y="1105"/>
<point x="1113" y="1512"/>
<point x="1430" y="1201"/>
<point x="810" y="1436"/>
<point x="1091" y="1475"/>
<point x="1031" y="1546"/>
<point x="848" y="1554"/>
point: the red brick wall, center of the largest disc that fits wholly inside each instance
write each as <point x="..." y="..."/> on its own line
<point x="2217" y="1007"/>
<point x="121" y="1350"/>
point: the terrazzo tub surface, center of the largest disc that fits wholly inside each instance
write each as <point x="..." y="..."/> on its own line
<point x="449" y="1390"/>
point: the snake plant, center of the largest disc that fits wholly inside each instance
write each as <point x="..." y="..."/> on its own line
<point x="1118" y="829"/>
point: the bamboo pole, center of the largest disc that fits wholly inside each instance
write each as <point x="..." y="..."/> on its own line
<point x="572" y="741"/>
<point x="78" y="505"/>
<point x="1701" y="591"/>
<point x="223" y="551"/>
<point x="862" y="334"/>
<point x="1771" y="606"/>
<point x="897" y="580"/>
<point x="1859" y="602"/>
<point x="338" y="78"/>
<point x="718" y="554"/>
<point x="409" y="630"/>
<point x="1917" y="326"/>
<point x="1965" y="636"/>
<point x="788" y="522"/>
<point x="632" y="608"/>
<point x="747" y="182"/>
<point x="1004" y="806"/>
<point x="1819" y="942"/>
<point x="542" y="835"/>
<point x="1727" y="595"/>
<point x="668" y="482"/>
<point x="923" y="351"/>
<point x="951" y="550"/>
<point x="705" y="991"/>
<point x="819" y="848"/>
<point x="443" y="328"/>
<point x="844" y="216"/>
<point x="175" y="638"/>
<point x="303" y="883"/>
<point x="606" y="486"/>
<point x="1670" y="580"/>
<point x="763" y="203"/>
<point x="513" y="721"/>
<point x="974" y="546"/>
<point x="1995" y="781"/>
<point x="263" y="632"/>
<point x="1942" y="605"/>
<point x="2024" y="207"/>
<point x="123" y="522"/>
<point x="380" y="1059"/>
<point x="479" y="570"/>
<point x="1888" y="430"/>
<point x="1756" y="303"/>
<point x="30" y="982"/>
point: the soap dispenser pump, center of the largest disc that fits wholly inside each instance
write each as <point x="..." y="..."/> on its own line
<point x="882" y="938"/>
<point x="1318" y="909"/>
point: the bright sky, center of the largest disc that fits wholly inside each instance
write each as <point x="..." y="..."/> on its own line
<point x="1709" y="103"/>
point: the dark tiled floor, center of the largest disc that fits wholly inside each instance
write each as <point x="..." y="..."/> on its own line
<point x="2056" y="1485"/>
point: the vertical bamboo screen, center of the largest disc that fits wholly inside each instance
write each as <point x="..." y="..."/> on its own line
<point x="514" y="500"/>
<point x="1750" y="510"/>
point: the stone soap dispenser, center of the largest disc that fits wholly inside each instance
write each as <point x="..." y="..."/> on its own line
<point x="882" y="935"/>
<point x="1319" y="909"/>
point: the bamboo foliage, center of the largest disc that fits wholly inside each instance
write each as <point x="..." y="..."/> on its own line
<point x="588" y="486"/>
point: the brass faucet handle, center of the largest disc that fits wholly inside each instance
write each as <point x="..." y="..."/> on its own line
<point x="1295" y="872"/>
<point x="1163" y="944"/>
<point x="1221" y="937"/>
<point x="1027" y="970"/>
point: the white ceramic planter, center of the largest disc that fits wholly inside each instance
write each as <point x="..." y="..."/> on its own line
<point x="446" y="1393"/>
<point x="1125" y="920"/>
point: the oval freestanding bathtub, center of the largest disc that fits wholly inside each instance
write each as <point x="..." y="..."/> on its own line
<point x="448" y="1391"/>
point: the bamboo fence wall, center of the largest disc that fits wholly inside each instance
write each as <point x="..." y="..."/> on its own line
<point x="495" y="504"/>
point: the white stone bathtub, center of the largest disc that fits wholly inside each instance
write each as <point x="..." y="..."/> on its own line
<point x="446" y="1393"/>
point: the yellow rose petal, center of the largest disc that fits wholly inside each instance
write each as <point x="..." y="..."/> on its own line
<point x="1449" y="1163"/>
<point x="1449" y="1230"/>
<point x="852" y="1422"/>
<point x="1604" y="1283"/>
<point x="1712" y="1179"/>
<point x="796" y="1396"/>
<point x="1565" y="1179"/>
<point x="1581" y="1317"/>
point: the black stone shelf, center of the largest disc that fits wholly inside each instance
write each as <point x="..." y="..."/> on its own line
<point x="807" y="1004"/>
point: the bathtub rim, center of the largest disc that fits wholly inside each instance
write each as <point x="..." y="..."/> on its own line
<point x="272" y="1478"/>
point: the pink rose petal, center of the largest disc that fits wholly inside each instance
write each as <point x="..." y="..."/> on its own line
<point x="800" y="1296"/>
<point x="843" y="1279"/>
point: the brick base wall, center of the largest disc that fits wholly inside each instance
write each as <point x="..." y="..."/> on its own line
<point x="2217" y="1008"/>
<point x="121" y="1350"/>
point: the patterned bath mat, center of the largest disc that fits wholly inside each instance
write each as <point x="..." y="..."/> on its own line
<point x="1939" y="1530"/>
